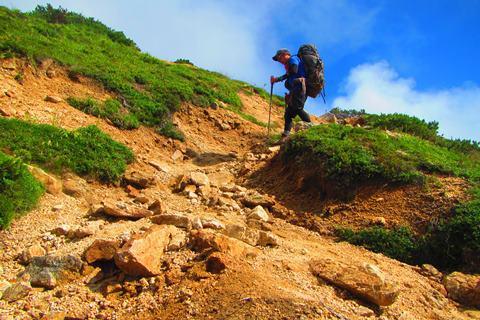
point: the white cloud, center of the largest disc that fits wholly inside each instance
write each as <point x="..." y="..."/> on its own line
<point x="378" y="88"/>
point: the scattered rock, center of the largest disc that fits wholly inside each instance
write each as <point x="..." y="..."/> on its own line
<point x="177" y="241"/>
<point x="235" y="231"/>
<point x="430" y="271"/>
<point x="159" y="166"/>
<point x="274" y="149"/>
<point x="177" y="155"/>
<point x="133" y="213"/>
<point x="73" y="188"/>
<point x="214" y="105"/>
<point x="258" y="213"/>
<point x="16" y="292"/>
<point x="267" y="239"/>
<point x="141" y="255"/>
<point x="132" y="191"/>
<point x="177" y="220"/>
<point x="379" y="221"/>
<point x="197" y="223"/>
<point x="62" y="230"/>
<point x="141" y="199"/>
<point x="217" y="262"/>
<point x="157" y="207"/>
<point x="4" y="112"/>
<point x="3" y="287"/>
<point x="328" y="118"/>
<point x="52" y="184"/>
<point x="201" y="240"/>
<point x="58" y="207"/>
<point x="199" y="179"/>
<point x="101" y="249"/>
<point x="255" y="199"/>
<point x="53" y="99"/>
<point x="190" y="188"/>
<point x="44" y="279"/>
<point x="463" y="288"/>
<point x="212" y="224"/>
<point x="48" y="270"/>
<point x="50" y="73"/>
<point x="138" y="180"/>
<point x="219" y="179"/>
<point x="366" y="281"/>
<point x="29" y="253"/>
<point x="86" y="231"/>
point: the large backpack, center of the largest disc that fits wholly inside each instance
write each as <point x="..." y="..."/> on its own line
<point x="314" y="70"/>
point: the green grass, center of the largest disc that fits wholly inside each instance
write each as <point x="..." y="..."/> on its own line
<point x="109" y="109"/>
<point x="452" y="243"/>
<point x="19" y="191"/>
<point x="349" y="155"/>
<point x="86" y="151"/>
<point x="152" y="88"/>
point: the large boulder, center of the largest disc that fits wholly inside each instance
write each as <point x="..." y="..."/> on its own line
<point x="202" y="240"/>
<point x="258" y="213"/>
<point x="174" y="219"/>
<point x="141" y="255"/>
<point x="463" y="288"/>
<point x="121" y="211"/>
<point x="366" y="281"/>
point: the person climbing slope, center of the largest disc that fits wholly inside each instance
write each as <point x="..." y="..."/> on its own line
<point x="304" y="78"/>
<point x="295" y="77"/>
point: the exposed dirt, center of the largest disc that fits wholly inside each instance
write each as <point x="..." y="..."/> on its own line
<point x="276" y="283"/>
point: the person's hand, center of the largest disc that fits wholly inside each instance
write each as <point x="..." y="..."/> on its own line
<point x="273" y="79"/>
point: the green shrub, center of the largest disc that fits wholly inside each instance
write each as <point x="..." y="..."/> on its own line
<point x="404" y="123"/>
<point x="184" y="61"/>
<point x="110" y="109"/>
<point x="19" y="191"/>
<point x="349" y="112"/>
<point x="398" y="243"/>
<point x="349" y="155"/>
<point x="86" y="151"/>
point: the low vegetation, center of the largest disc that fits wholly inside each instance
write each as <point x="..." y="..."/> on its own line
<point x="109" y="109"/>
<point x="350" y="155"/>
<point x="152" y="89"/>
<point x="85" y="151"/>
<point x="19" y="191"/>
<point x="450" y="244"/>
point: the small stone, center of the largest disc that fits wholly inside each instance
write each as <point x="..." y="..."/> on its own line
<point x="142" y="199"/>
<point x="157" y="207"/>
<point x="58" y="207"/>
<point x="138" y="180"/>
<point x="267" y="239"/>
<point x="212" y="224"/>
<point x="72" y="188"/>
<point x="235" y="231"/>
<point x="463" y="288"/>
<point x="379" y="221"/>
<point x="52" y="184"/>
<point x="197" y="223"/>
<point x="101" y="249"/>
<point x="214" y="105"/>
<point x="217" y="262"/>
<point x="199" y="179"/>
<point x="274" y="149"/>
<point x="53" y="99"/>
<point x="50" y="73"/>
<point x="178" y="241"/>
<point x="178" y="220"/>
<point x="62" y="230"/>
<point x="86" y="231"/>
<point x="33" y="251"/>
<point x="16" y="292"/>
<point x="177" y="155"/>
<point x="4" y="285"/>
<point x="44" y="279"/>
<point x="9" y="65"/>
<point x="258" y="213"/>
<point x="430" y="271"/>
<point x="190" y="188"/>
<point x="4" y="113"/>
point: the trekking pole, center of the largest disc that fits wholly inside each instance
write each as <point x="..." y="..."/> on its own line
<point x="270" y="108"/>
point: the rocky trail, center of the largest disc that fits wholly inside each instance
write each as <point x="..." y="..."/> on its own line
<point x="207" y="229"/>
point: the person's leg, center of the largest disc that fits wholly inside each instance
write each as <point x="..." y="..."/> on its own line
<point x="289" y="115"/>
<point x="304" y="115"/>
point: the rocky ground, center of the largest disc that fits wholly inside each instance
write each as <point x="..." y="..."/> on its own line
<point x="191" y="233"/>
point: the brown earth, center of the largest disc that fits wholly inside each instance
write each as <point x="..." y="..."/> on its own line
<point x="274" y="283"/>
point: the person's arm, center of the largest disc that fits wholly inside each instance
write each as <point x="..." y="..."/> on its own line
<point x="292" y="69"/>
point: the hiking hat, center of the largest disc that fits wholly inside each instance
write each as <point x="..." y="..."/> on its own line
<point x="279" y="53"/>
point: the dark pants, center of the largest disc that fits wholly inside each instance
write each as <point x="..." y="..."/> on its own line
<point x="295" y="104"/>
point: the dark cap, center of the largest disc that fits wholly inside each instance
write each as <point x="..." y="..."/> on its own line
<point x="279" y="53"/>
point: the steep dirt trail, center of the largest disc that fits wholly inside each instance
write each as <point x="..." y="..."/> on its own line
<point x="276" y="282"/>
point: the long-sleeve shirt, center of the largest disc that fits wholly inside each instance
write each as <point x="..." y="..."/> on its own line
<point x="295" y="69"/>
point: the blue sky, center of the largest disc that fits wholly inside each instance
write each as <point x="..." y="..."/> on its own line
<point x="414" y="57"/>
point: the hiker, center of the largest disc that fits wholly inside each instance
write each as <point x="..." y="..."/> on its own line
<point x="296" y="84"/>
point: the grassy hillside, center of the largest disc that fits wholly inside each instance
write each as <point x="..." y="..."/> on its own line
<point x="410" y="152"/>
<point x="149" y="89"/>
